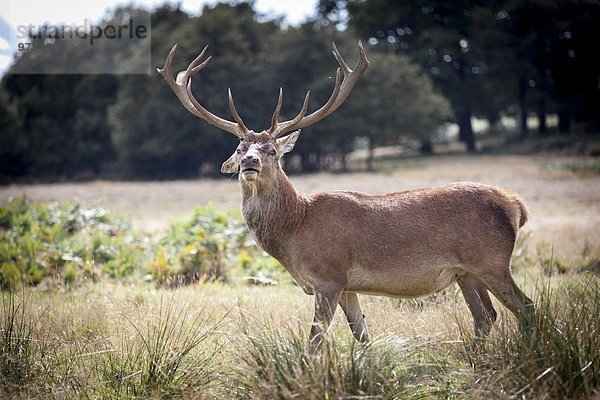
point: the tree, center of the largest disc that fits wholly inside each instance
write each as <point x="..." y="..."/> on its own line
<point x="488" y="56"/>
<point x="165" y="140"/>
<point x="394" y="101"/>
<point x="436" y="36"/>
<point x="62" y="128"/>
<point x="11" y="142"/>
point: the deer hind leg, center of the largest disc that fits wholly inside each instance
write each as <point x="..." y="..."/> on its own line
<point x="356" y="319"/>
<point x="479" y="303"/>
<point x="326" y="300"/>
<point x="504" y="288"/>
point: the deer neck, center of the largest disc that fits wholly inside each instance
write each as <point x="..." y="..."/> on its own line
<point x="273" y="210"/>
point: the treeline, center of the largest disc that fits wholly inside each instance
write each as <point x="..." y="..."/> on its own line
<point x="493" y="57"/>
<point x="432" y="62"/>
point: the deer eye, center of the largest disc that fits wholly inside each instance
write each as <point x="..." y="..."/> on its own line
<point x="272" y="152"/>
<point x="238" y="151"/>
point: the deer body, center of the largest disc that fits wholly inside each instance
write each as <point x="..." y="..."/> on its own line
<point x="338" y="244"/>
<point x="405" y="244"/>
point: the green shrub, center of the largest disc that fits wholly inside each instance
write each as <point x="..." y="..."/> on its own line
<point x="71" y="242"/>
<point x="62" y="241"/>
<point x="257" y="267"/>
<point x="200" y="248"/>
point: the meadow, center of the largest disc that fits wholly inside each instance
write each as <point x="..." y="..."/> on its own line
<point x="130" y="290"/>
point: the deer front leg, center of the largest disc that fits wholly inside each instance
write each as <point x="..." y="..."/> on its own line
<point x="356" y="319"/>
<point x="326" y="300"/>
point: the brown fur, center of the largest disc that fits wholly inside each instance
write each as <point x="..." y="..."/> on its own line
<point x="403" y="244"/>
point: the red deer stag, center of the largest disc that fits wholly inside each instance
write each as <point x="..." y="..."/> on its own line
<point x="338" y="244"/>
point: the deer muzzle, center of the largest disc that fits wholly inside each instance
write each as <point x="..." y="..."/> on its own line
<point x="250" y="167"/>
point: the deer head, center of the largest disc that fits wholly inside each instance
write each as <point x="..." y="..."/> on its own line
<point x="257" y="155"/>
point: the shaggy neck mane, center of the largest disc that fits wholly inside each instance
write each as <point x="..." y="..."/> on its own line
<point x="273" y="211"/>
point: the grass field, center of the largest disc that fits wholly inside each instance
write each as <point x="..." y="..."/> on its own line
<point x="131" y="338"/>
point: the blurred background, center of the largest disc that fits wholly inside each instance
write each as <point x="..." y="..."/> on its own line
<point x="445" y="77"/>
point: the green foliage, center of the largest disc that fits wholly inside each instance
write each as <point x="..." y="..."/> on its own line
<point x="133" y="126"/>
<point x="52" y="138"/>
<point x="199" y="248"/>
<point x="165" y="140"/>
<point x="211" y="245"/>
<point x="69" y="241"/>
<point x="490" y="58"/>
<point x="397" y="101"/>
<point x="258" y="268"/>
<point x="72" y="243"/>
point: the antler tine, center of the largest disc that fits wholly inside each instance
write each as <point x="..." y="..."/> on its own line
<point x="275" y="119"/>
<point x="338" y="96"/>
<point x="290" y="125"/>
<point x="182" y="86"/>
<point x="192" y="69"/>
<point x="235" y="114"/>
<point x="340" y="59"/>
<point x="166" y="70"/>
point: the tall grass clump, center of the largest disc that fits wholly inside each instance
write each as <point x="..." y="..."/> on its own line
<point x="170" y="354"/>
<point x="27" y="354"/>
<point x="17" y="367"/>
<point x="279" y="364"/>
<point x="559" y="357"/>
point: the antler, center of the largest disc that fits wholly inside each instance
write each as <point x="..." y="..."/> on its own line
<point x="182" y="86"/>
<point x="339" y="95"/>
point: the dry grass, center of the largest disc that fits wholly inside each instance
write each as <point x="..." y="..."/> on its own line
<point x="110" y="340"/>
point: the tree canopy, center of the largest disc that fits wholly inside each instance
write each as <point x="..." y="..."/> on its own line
<point x="488" y="57"/>
<point x="431" y="62"/>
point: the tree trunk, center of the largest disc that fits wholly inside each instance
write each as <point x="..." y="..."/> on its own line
<point x="541" y="113"/>
<point x="541" y="105"/>
<point x="344" y="162"/>
<point x="523" y="107"/>
<point x="309" y="162"/>
<point x="426" y="147"/>
<point x="465" y="133"/>
<point x="371" y="156"/>
<point x="564" y="120"/>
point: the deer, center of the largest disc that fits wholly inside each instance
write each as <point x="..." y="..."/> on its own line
<point x="339" y="244"/>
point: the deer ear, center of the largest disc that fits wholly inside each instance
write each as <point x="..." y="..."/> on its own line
<point x="286" y="143"/>
<point x="230" y="166"/>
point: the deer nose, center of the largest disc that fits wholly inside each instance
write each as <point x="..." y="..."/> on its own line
<point x="250" y="159"/>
